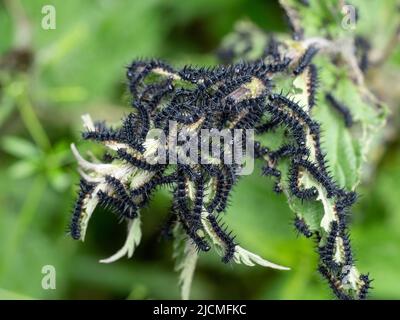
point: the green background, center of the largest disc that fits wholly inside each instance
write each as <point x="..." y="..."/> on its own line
<point x="80" y="68"/>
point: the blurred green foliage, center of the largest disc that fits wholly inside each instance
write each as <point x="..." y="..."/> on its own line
<point x="79" y="68"/>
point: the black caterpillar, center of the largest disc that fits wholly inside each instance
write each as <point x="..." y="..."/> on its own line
<point x="341" y="108"/>
<point x="302" y="227"/>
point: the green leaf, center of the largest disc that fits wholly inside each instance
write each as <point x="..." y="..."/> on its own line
<point x="59" y="180"/>
<point x="19" y="147"/>
<point x="10" y="295"/>
<point x="22" y="169"/>
<point x="7" y="105"/>
<point x="132" y="241"/>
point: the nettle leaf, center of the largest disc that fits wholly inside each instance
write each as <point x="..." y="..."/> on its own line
<point x="378" y="21"/>
<point x="132" y="241"/>
<point x="19" y="147"/>
<point x="318" y="18"/>
<point x="346" y="148"/>
<point x="375" y="20"/>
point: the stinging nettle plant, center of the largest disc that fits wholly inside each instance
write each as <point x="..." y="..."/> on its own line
<point x="296" y="92"/>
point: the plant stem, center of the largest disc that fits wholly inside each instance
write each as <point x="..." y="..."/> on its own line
<point x="31" y="121"/>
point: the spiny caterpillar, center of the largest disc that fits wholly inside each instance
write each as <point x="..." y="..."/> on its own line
<point x="312" y="85"/>
<point x="85" y="189"/>
<point x="305" y="60"/>
<point x="302" y="227"/>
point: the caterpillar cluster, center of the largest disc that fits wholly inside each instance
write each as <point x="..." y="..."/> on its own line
<point x="300" y="163"/>
<point x="222" y="97"/>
